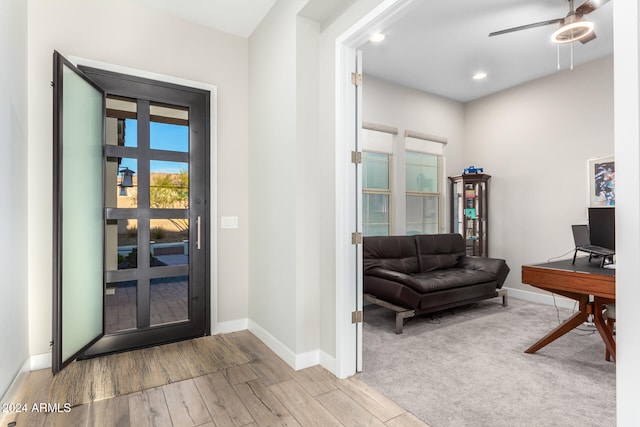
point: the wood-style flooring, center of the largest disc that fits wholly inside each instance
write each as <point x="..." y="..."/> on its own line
<point x="263" y="392"/>
<point x="113" y="375"/>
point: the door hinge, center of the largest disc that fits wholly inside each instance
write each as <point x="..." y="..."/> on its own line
<point x="356" y="238"/>
<point x="356" y="316"/>
<point x="356" y="157"/>
<point x="356" y="79"/>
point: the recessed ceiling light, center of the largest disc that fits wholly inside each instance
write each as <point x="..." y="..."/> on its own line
<point x="377" y="37"/>
<point x="479" y="76"/>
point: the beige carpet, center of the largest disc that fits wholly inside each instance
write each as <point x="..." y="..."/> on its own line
<point x="467" y="367"/>
<point x="122" y="373"/>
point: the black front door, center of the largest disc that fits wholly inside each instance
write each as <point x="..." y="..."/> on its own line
<point x="155" y="210"/>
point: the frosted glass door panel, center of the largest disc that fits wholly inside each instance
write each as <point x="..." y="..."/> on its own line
<point x="80" y="241"/>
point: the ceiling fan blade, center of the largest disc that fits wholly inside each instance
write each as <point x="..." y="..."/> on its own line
<point x="589" y="6"/>
<point x="588" y="38"/>
<point x="526" y="27"/>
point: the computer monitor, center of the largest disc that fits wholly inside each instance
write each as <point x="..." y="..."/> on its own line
<point x="602" y="227"/>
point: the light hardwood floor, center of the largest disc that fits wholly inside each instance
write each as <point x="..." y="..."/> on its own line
<point x="263" y="392"/>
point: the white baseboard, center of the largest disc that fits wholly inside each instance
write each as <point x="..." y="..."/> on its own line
<point x="270" y="341"/>
<point x="296" y="361"/>
<point x="230" y="326"/>
<point x="546" y="298"/>
<point x="328" y="362"/>
<point x="41" y="361"/>
<point x="17" y="382"/>
<point x="306" y="360"/>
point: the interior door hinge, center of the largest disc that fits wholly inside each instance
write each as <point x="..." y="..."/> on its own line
<point x="356" y="79"/>
<point x="356" y="157"/>
<point x="356" y="238"/>
<point x="356" y="316"/>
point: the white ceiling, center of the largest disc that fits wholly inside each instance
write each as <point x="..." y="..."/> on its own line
<point x="437" y="45"/>
<point x="237" y="17"/>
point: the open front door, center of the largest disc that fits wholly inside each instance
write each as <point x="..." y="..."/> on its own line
<point x="78" y="231"/>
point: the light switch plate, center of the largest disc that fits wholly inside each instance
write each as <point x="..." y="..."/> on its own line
<point x="228" y="222"/>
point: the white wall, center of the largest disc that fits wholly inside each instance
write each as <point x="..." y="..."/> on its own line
<point x="284" y="171"/>
<point x="307" y="181"/>
<point x="272" y="175"/>
<point x="535" y="141"/>
<point x="292" y="296"/>
<point x="120" y="33"/>
<point x="13" y="191"/>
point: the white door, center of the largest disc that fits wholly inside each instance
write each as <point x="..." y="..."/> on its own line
<point x="358" y="204"/>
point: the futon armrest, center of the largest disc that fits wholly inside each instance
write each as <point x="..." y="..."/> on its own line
<point x="394" y="276"/>
<point x="496" y="266"/>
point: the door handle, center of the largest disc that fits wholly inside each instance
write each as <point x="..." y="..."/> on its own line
<point x="198" y="232"/>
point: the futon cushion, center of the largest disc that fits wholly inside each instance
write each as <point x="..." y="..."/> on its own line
<point x="438" y="280"/>
<point x="439" y="251"/>
<point x="396" y="253"/>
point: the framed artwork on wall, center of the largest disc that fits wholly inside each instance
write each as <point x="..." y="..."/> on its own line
<point x="602" y="182"/>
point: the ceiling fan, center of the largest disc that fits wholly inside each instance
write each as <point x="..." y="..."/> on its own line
<point x="573" y="27"/>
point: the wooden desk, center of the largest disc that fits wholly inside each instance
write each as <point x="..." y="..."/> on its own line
<point x="576" y="281"/>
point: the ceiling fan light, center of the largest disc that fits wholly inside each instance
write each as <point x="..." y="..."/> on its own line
<point x="572" y="31"/>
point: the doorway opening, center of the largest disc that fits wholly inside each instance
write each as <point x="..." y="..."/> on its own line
<point x="349" y="198"/>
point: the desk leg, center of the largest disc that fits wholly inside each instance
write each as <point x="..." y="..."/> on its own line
<point x="566" y="326"/>
<point x="602" y="327"/>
